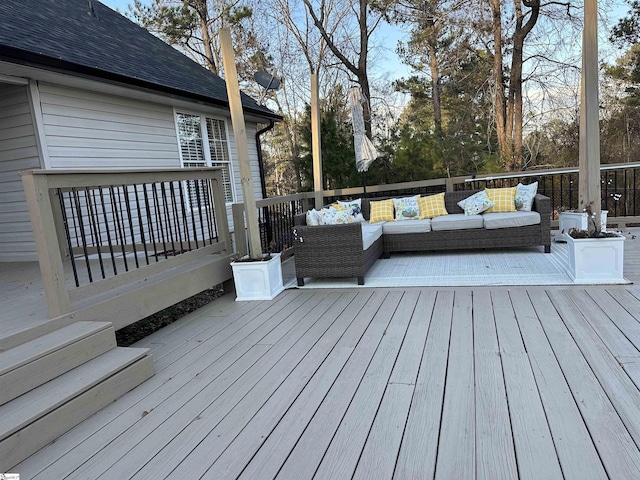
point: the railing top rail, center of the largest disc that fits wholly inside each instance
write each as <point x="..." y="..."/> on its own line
<point x="266" y="202"/>
<point x="102" y="178"/>
<point x="120" y="171"/>
<point x="554" y="171"/>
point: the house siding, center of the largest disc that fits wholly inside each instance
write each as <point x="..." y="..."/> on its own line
<point x="90" y="130"/>
<point x="18" y="151"/>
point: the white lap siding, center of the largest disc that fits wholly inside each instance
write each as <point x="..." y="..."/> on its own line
<point x="92" y="130"/>
<point x="85" y="129"/>
<point x="18" y="151"/>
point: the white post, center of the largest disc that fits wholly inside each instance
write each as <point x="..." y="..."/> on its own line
<point x="589" y="192"/>
<point x="240" y="134"/>
<point x="316" y="141"/>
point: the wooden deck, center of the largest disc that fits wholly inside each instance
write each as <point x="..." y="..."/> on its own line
<point x="381" y="383"/>
<point x="449" y="383"/>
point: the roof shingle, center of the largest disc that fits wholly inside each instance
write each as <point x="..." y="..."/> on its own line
<point x="64" y="35"/>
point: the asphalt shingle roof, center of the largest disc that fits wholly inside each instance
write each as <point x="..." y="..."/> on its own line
<point x="63" y="35"/>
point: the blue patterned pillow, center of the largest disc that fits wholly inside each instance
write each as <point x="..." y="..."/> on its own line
<point x="476" y="203"/>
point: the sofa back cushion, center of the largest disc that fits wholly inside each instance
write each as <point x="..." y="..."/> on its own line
<point x="451" y="200"/>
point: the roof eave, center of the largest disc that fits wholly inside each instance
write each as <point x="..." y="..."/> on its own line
<point x="30" y="59"/>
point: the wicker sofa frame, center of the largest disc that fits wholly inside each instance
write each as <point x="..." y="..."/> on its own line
<point x="332" y="251"/>
<point x="335" y="251"/>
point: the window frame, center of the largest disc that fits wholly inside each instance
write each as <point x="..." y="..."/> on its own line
<point x="206" y="148"/>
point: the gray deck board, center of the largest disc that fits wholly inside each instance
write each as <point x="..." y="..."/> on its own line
<point x="417" y="456"/>
<point x="496" y="457"/>
<point x="456" y="446"/>
<point x="576" y="452"/>
<point x="535" y="450"/>
<point x="184" y="429"/>
<point x="616" y="448"/>
<point x="488" y="383"/>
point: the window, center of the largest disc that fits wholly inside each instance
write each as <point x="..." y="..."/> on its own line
<point x="204" y="147"/>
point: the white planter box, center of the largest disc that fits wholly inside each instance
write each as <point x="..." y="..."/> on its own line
<point x="578" y="220"/>
<point x="596" y="260"/>
<point x="258" y="280"/>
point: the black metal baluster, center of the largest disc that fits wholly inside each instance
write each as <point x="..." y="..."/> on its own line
<point x="156" y="208"/>
<point x="81" y="226"/>
<point x="176" y="220"/>
<point x="198" y="200"/>
<point x="95" y="222"/>
<point x="131" y="231"/>
<point x="67" y="233"/>
<point x="211" y="219"/>
<point x="185" y="219"/>
<point x="150" y="219"/>
<point x="140" y="224"/>
<point x="107" y="229"/>
<point x="120" y="227"/>
<point x="193" y="220"/>
<point x="167" y="217"/>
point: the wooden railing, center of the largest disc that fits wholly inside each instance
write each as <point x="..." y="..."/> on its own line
<point x="620" y="196"/>
<point x="100" y="231"/>
<point x="275" y="218"/>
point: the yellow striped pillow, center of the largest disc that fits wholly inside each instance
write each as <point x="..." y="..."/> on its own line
<point x="504" y="199"/>
<point x="432" y="206"/>
<point x="381" y="211"/>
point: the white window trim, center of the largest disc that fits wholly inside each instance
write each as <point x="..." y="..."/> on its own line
<point x="205" y="143"/>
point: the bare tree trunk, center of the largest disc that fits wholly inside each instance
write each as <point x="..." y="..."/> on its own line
<point x="434" y="68"/>
<point x="358" y="69"/>
<point x="515" y="108"/>
<point x="499" y="103"/>
<point x="212" y="65"/>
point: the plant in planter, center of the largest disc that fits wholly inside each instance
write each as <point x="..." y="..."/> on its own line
<point x="577" y="220"/>
<point x="595" y="257"/>
<point x="257" y="278"/>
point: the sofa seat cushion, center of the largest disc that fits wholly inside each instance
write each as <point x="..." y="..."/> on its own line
<point x="508" y="220"/>
<point x="457" y="221"/>
<point x="370" y="233"/>
<point x="407" y="226"/>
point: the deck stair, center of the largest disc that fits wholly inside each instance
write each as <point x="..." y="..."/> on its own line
<point x="53" y="382"/>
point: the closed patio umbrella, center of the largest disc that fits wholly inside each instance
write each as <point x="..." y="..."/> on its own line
<point x="364" y="149"/>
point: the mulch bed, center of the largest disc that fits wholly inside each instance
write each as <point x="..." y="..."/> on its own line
<point x="137" y="331"/>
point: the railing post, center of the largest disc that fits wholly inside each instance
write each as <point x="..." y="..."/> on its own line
<point x="46" y="238"/>
<point x="237" y="210"/>
<point x="220" y="209"/>
<point x="449" y="184"/>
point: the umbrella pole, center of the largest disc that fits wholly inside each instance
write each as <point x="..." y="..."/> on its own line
<point x="364" y="184"/>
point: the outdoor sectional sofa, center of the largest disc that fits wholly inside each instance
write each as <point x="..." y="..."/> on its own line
<point x="349" y="250"/>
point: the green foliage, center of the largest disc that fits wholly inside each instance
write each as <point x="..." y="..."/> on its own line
<point x="627" y="31"/>
<point x="467" y="142"/>
<point x="338" y="156"/>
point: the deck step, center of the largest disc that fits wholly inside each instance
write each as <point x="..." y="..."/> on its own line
<point x="31" y="421"/>
<point x="35" y="362"/>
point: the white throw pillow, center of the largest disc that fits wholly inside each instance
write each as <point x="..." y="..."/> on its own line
<point x="407" y="208"/>
<point x="313" y="218"/>
<point x="525" y="195"/>
<point x="476" y="203"/>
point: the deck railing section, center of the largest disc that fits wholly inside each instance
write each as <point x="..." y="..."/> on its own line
<point x="275" y="219"/>
<point x="620" y="196"/>
<point x="120" y="227"/>
<point x="619" y="187"/>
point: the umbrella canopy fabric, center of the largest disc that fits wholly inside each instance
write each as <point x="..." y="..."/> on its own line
<point x="365" y="151"/>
